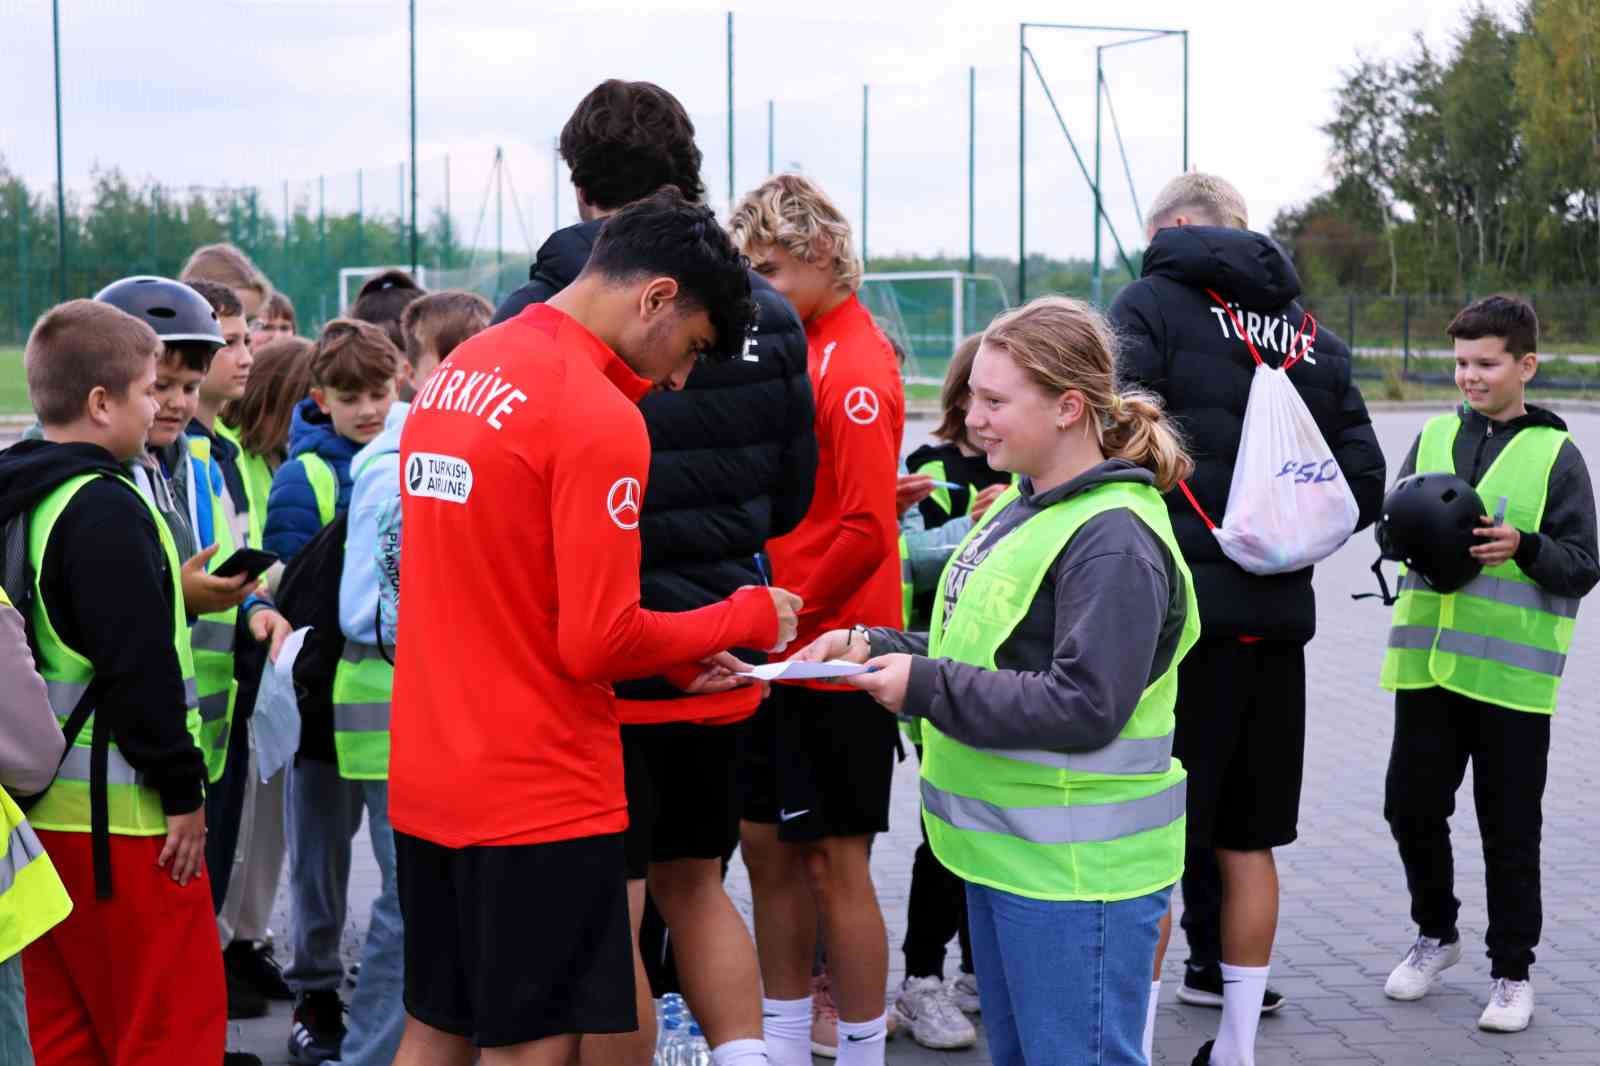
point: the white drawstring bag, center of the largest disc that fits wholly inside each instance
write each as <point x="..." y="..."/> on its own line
<point x="1289" y="505"/>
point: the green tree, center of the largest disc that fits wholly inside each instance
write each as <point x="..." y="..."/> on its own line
<point x="1558" y="86"/>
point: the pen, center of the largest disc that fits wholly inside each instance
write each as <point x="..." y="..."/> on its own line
<point x="1500" y="512"/>
<point x="760" y="569"/>
<point x="946" y="484"/>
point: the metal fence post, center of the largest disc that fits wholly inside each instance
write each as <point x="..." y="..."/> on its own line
<point x="1405" y="336"/>
<point x="1350" y="320"/>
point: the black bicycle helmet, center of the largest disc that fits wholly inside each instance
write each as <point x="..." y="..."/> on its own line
<point x="177" y="313"/>
<point x="1427" y="523"/>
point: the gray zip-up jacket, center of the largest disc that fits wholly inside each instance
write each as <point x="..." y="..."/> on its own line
<point x="30" y="737"/>
<point x="1105" y="623"/>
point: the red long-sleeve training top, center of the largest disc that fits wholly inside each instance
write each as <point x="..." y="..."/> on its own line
<point x="523" y="466"/>
<point x="843" y="559"/>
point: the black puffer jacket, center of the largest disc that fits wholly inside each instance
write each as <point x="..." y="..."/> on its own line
<point x="1179" y="343"/>
<point x="733" y="456"/>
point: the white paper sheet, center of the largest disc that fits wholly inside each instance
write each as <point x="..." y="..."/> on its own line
<point x="275" y="728"/>
<point x="797" y="671"/>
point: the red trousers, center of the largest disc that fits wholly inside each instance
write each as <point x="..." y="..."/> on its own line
<point x="135" y="980"/>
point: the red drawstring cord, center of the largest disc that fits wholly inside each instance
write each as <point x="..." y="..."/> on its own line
<point x="1297" y="352"/>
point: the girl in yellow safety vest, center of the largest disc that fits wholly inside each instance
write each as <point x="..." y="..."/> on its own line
<point x="1044" y="693"/>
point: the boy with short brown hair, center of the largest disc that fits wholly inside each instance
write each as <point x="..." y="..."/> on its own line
<point x="1475" y="673"/>
<point x="111" y="633"/>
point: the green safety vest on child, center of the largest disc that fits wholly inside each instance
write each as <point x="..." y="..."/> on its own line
<point x="1500" y="638"/>
<point x="257" y="477"/>
<point x="32" y="897"/>
<point x="212" y="635"/>
<point x="1094" y="825"/>
<point x="134" y="809"/>
<point x="363" y="682"/>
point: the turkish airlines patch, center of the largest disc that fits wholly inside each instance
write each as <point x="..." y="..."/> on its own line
<point x="438" y="477"/>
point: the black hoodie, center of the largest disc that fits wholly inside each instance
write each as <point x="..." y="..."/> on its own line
<point x="1561" y="554"/>
<point x="1180" y="344"/>
<point x="106" y="583"/>
<point x="733" y="456"/>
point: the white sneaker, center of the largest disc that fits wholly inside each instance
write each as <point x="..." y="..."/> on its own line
<point x="1425" y="961"/>
<point x="931" y="1017"/>
<point x="963" y="990"/>
<point x="1510" y="1007"/>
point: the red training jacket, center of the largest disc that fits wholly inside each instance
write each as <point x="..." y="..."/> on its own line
<point x="523" y="466"/>
<point x="843" y="559"/>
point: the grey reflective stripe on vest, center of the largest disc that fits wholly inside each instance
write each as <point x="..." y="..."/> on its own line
<point x="1058" y="825"/>
<point x="1474" y="646"/>
<point x="75" y="767"/>
<point x="356" y="652"/>
<point x="361" y="717"/>
<point x="21" y="849"/>
<point x="1412" y="638"/>
<point x="1123" y="756"/>
<point x="1502" y="590"/>
<point x="1506" y="652"/>
<point x="206" y="635"/>
<point x="214" y="706"/>
<point x="64" y="695"/>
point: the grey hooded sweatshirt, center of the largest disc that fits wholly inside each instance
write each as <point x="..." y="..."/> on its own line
<point x="1104" y="624"/>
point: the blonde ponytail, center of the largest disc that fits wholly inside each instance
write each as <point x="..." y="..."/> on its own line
<point x="1137" y="430"/>
<point x="1065" y="344"/>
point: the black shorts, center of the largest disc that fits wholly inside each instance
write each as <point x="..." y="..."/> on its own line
<point x="1242" y="736"/>
<point x="818" y="764"/>
<point x="682" y="792"/>
<point x="506" y="945"/>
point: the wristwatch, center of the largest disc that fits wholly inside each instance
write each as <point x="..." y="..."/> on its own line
<point x="859" y="630"/>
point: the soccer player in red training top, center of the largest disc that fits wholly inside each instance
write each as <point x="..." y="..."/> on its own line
<point x="523" y="465"/>
<point x="820" y="763"/>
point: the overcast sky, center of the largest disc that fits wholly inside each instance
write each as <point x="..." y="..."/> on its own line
<point x="235" y="92"/>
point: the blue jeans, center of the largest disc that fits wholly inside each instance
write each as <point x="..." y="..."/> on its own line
<point x="324" y="814"/>
<point x="14" y="1047"/>
<point x="1064" y="983"/>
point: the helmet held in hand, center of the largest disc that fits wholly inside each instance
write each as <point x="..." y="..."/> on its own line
<point x="1427" y="523"/>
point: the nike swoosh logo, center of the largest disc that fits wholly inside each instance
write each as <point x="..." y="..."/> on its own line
<point x="789" y="816"/>
<point x="860" y="1039"/>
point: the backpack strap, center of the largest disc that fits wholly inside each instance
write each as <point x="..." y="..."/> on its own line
<point x="324" y="485"/>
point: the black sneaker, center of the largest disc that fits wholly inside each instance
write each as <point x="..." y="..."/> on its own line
<point x="1204" y="1058"/>
<point x="240" y="1058"/>
<point x="1202" y="987"/>
<point x="318" y="1027"/>
<point x="254" y="965"/>
<point x="243" y="999"/>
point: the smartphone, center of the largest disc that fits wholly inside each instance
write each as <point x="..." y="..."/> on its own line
<point x="251" y="562"/>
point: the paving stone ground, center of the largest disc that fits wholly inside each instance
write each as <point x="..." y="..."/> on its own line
<point x="1344" y="920"/>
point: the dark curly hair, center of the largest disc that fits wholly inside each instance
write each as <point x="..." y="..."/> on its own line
<point x="626" y="140"/>
<point x="664" y="235"/>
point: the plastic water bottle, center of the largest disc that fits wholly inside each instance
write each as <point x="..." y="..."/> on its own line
<point x="696" y="1051"/>
<point x="669" y="1037"/>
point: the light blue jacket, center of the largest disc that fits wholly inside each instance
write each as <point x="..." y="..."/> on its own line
<point x="374" y="496"/>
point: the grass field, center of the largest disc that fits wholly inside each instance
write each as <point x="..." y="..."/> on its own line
<point x="13" y="386"/>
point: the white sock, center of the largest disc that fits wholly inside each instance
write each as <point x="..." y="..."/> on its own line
<point x="1242" y="989"/>
<point x="861" y="1043"/>
<point x="745" y="1052"/>
<point x="786" y="1024"/>
<point x="1150" y="1020"/>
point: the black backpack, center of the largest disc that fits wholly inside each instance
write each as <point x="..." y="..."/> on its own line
<point x="308" y="595"/>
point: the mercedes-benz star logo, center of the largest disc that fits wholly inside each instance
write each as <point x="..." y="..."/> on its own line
<point x="622" y="502"/>
<point x="414" y="473"/>
<point x="861" y="405"/>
